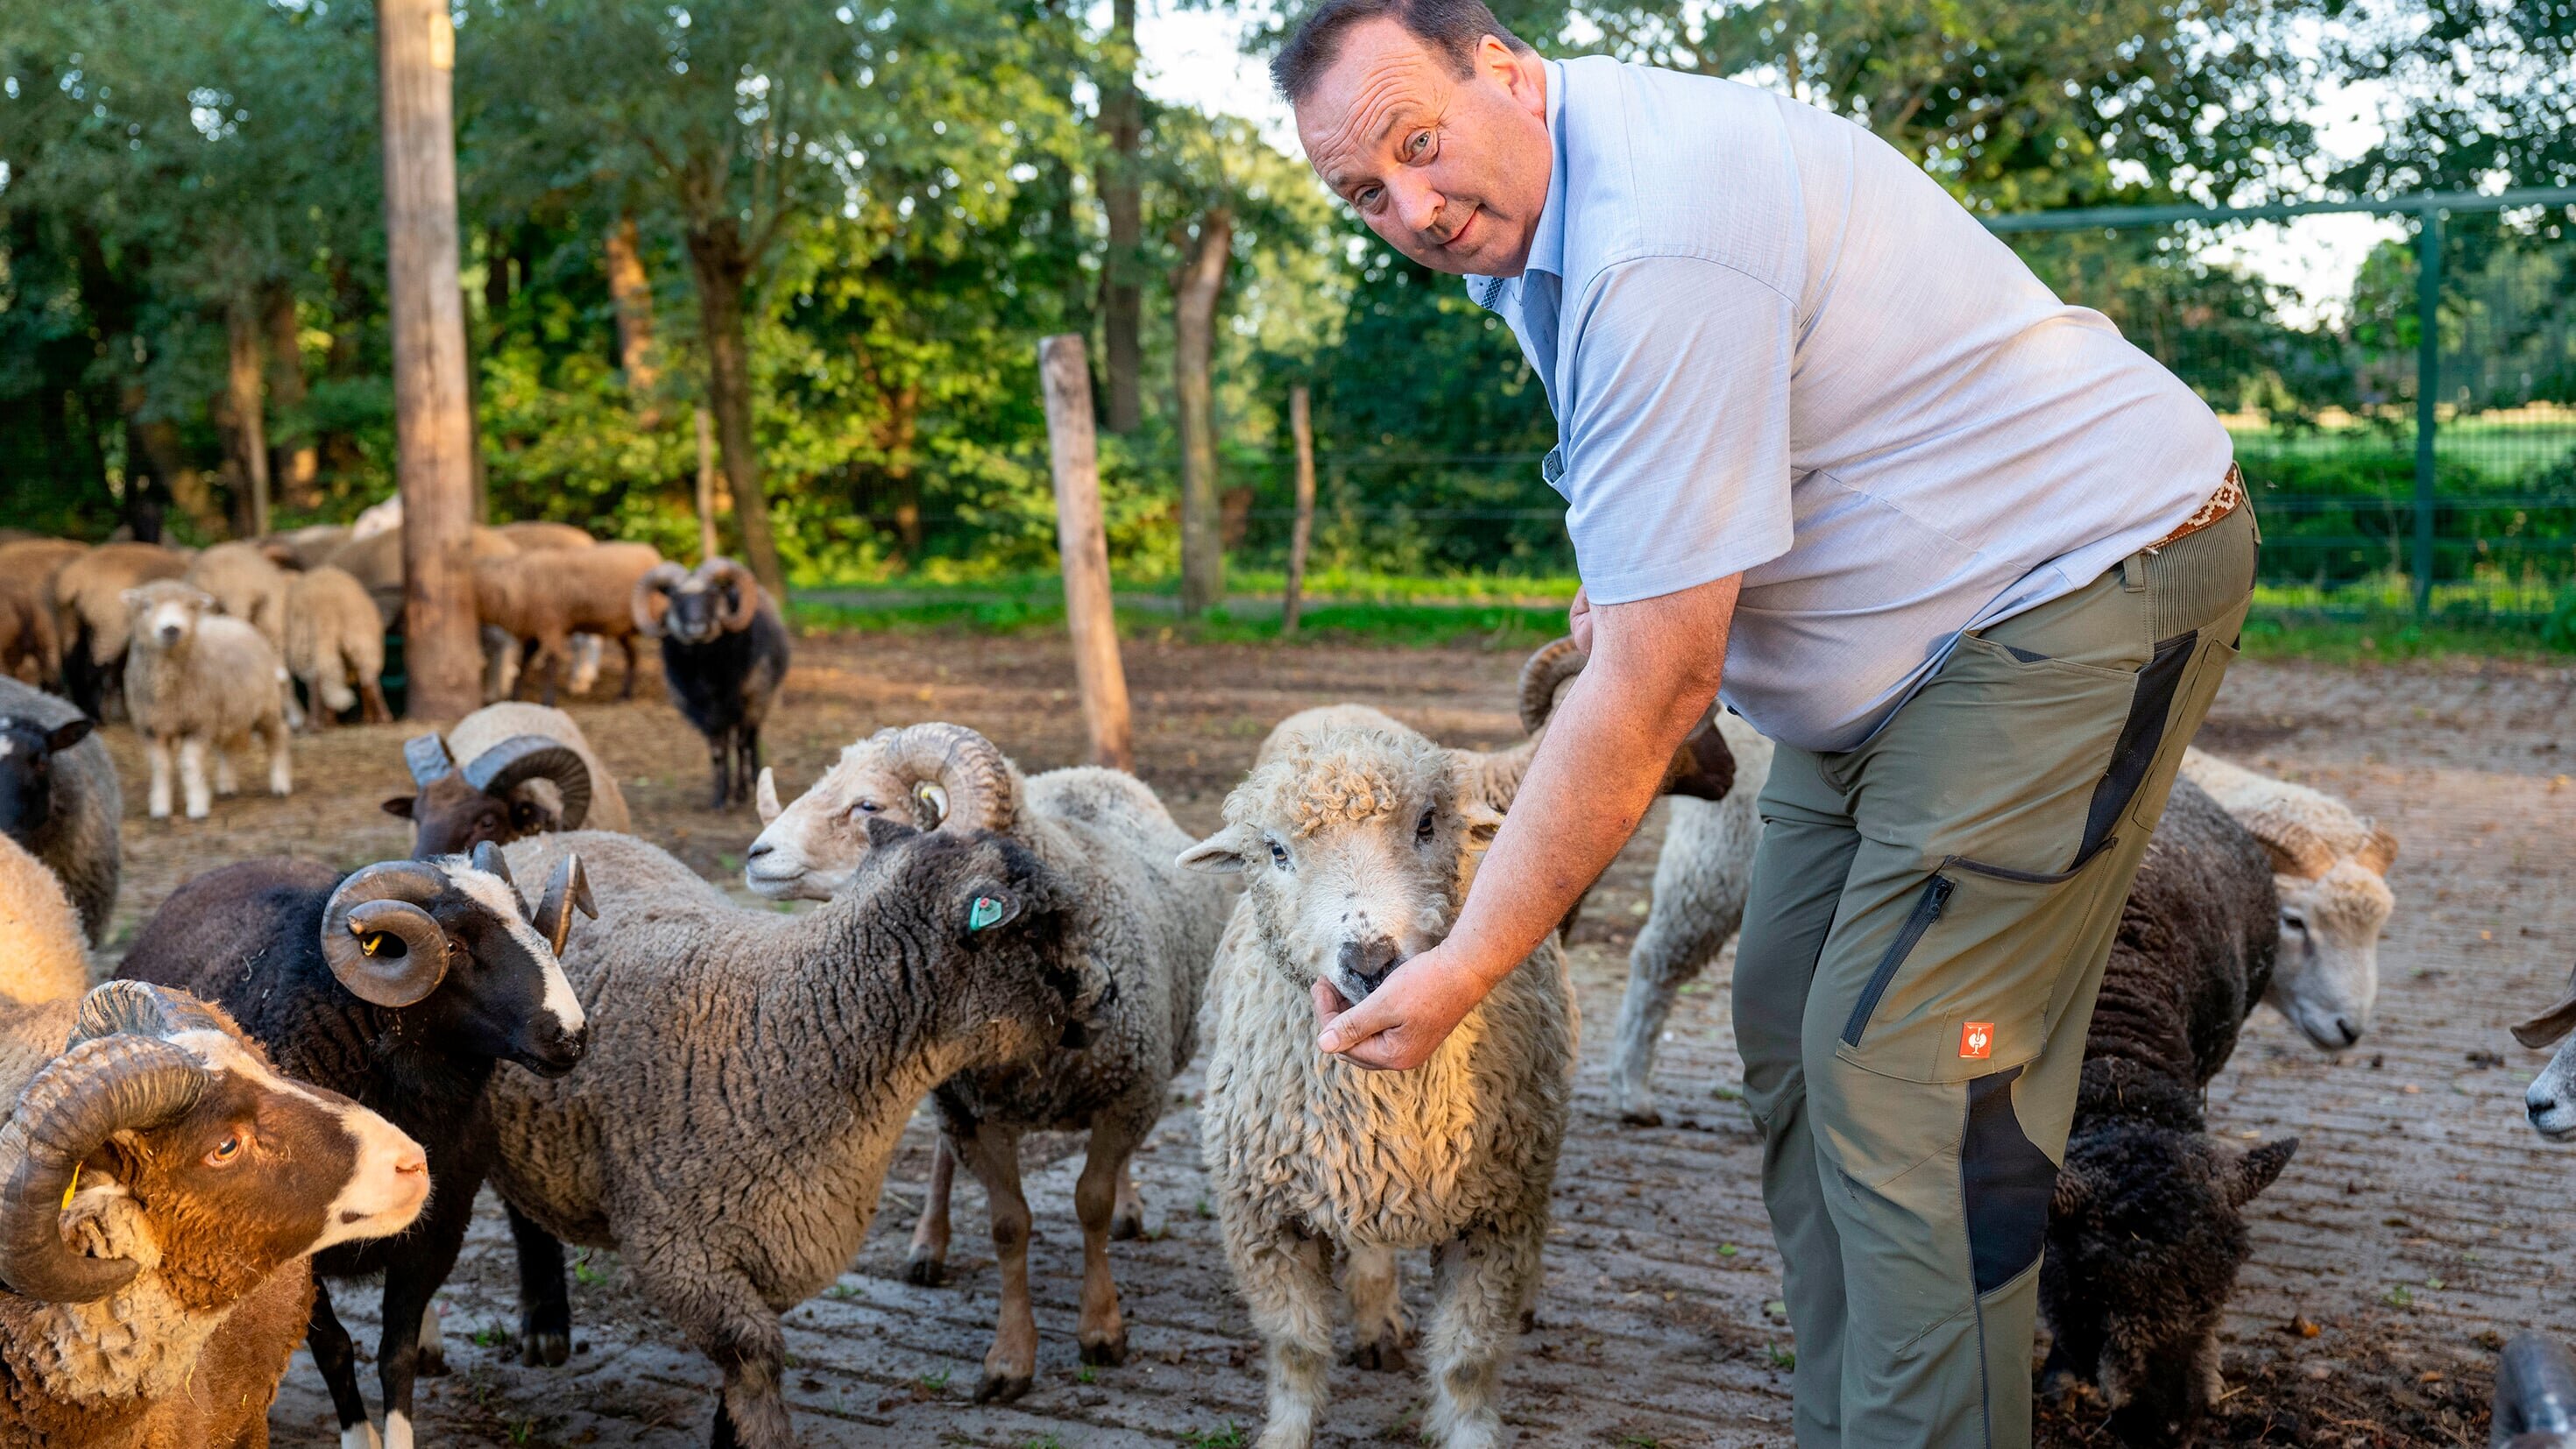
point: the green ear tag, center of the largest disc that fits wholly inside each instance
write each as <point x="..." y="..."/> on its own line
<point x="987" y="911"/>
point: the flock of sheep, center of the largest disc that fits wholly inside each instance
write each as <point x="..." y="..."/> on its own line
<point x="301" y="1078"/>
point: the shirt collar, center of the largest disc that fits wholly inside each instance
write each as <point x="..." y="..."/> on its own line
<point x="1547" y="244"/>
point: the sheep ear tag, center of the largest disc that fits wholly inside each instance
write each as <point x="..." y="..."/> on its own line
<point x="987" y="912"/>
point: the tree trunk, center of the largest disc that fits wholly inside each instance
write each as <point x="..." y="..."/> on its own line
<point x="1064" y="377"/>
<point x="632" y="291"/>
<point x="1302" y="532"/>
<point x="245" y="408"/>
<point x="895" y="440"/>
<point x="433" y="463"/>
<point x="706" y="485"/>
<point x="1194" y="298"/>
<point x="292" y="466"/>
<point x="1122" y="289"/>
<point x="717" y="259"/>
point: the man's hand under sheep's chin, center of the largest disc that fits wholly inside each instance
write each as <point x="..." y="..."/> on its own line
<point x="1411" y="1013"/>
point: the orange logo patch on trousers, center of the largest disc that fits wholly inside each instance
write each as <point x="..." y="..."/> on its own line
<point x="1977" y="1039"/>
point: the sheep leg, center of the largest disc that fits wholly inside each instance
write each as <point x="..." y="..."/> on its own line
<point x="993" y="1155"/>
<point x="1700" y="884"/>
<point x="337" y="1359"/>
<point x="1484" y="1281"/>
<point x="927" y="1264"/>
<point x="408" y="1288"/>
<point x="157" y="747"/>
<point x="724" y="1316"/>
<point x="746" y="761"/>
<point x="545" y="1309"/>
<point x="373" y="709"/>
<point x="432" y="1363"/>
<point x="281" y="766"/>
<point x="1286" y="1278"/>
<point x="720" y="758"/>
<point x="227" y="784"/>
<point x="1128" y="1222"/>
<point x="1379" y="1334"/>
<point x="192" y="777"/>
<point x="1102" y="1332"/>
<point x="627" y="691"/>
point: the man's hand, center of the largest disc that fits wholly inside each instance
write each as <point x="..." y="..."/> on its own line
<point x="1652" y="675"/>
<point x="1402" y="1022"/>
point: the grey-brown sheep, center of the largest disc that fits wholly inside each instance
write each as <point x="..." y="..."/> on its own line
<point x="59" y="797"/>
<point x="334" y="640"/>
<point x="90" y="615"/>
<point x="28" y="634"/>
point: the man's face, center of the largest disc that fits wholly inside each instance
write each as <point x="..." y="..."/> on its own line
<point x="1452" y="171"/>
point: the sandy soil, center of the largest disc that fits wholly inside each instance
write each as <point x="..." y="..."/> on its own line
<point x="2420" y="1222"/>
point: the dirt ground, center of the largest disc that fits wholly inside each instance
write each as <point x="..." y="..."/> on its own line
<point x="2420" y="1222"/>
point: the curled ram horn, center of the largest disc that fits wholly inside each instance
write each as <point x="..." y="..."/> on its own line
<point x="2552" y="1024"/>
<point x="653" y="595"/>
<point x="566" y="890"/>
<point x="521" y="758"/>
<point x="124" y="1082"/>
<point x="427" y="758"/>
<point x="1543" y="675"/>
<point x="721" y="572"/>
<point x="489" y="860"/>
<point x="378" y="937"/>
<point x="959" y="778"/>
<point x="141" y="1009"/>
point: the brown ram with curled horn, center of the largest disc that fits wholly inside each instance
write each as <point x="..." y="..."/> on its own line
<point x="168" y="1187"/>
<point x="527" y="770"/>
<point x="724" y="655"/>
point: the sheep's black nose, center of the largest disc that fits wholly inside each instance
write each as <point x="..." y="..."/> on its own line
<point x="2349" y="1032"/>
<point x="2539" y="1107"/>
<point x="1369" y="962"/>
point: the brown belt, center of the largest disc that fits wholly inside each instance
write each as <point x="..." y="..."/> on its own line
<point x="2229" y="497"/>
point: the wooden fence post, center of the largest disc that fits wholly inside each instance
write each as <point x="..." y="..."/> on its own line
<point x="706" y="485"/>
<point x="1301" y="425"/>
<point x="1064" y="375"/>
<point x="433" y="434"/>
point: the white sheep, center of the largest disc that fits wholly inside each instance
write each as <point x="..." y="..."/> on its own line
<point x="196" y="680"/>
<point x="1701" y="877"/>
<point x="1358" y="845"/>
<point x="1145" y="930"/>
<point x="2330" y="866"/>
<point x="333" y="640"/>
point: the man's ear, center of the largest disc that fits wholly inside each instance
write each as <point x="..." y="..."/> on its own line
<point x="398" y="807"/>
<point x="1228" y="852"/>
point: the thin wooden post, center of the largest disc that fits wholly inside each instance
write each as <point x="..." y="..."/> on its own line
<point x="1064" y="374"/>
<point x="2428" y="393"/>
<point x="1301" y="426"/>
<point x="433" y="437"/>
<point x="706" y="486"/>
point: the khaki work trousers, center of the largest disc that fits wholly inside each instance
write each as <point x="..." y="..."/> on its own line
<point x="1928" y="921"/>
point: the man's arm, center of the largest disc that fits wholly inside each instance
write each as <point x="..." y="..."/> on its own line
<point x="1653" y="674"/>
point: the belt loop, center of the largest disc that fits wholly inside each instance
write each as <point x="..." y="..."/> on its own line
<point x="2133" y="573"/>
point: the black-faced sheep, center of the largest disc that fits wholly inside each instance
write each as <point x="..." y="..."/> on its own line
<point x="59" y="797"/>
<point x="333" y="641"/>
<point x="544" y="598"/>
<point x="403" y="985"/>
<point x="750" y="1074"/>
<point x="197" y="681"/>
<point x="1358" y="846"/>
<point x="724" y="654"/>
<point x="2146" y="1229"/>
<point x="166" y="1189"/>
<point x="527" y="770"/>
<point x="1146" y="930"/>
<point x="91" y="619"/>
<point x="27" y="628"/>
<point x="2330" y="866"/>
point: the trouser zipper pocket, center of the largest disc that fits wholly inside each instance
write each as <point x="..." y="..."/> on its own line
<point x="1927" y="909"/>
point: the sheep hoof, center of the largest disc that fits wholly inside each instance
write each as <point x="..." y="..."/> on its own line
<point x="1385" y="1355"/>
<point x="1128" y="1226"/>
<point x="431" y="1364"/>
<point x="926" y="1271"/>
<point x="1001" y="1388"/>
<point x="545" y="1350"/>
<point x="1643" y="1114"/>
<point x="1108" y="1352"/>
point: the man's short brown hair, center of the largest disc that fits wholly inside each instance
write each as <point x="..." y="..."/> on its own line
<point x="1452" y="28"/>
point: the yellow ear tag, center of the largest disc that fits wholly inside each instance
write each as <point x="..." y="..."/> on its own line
<point x="71" y="1187"/>
<point x="373" y="943"/>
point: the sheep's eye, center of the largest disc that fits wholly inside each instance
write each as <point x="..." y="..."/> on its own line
<point x="225" y="1151"/>
<point x="1278" y="855"/>
<point x="1422" y="829"/>
<point x="866" y="807"/>
<point x="2295" y="923"/>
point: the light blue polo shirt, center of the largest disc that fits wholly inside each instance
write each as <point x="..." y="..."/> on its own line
<point x="1776" y="347"/>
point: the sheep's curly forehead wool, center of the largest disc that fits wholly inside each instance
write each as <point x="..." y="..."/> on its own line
<point x="1342" y="777"/>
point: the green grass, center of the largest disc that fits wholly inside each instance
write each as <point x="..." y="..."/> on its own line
<point x="1498" y="626"/>
<point x="2391" y="638"/>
